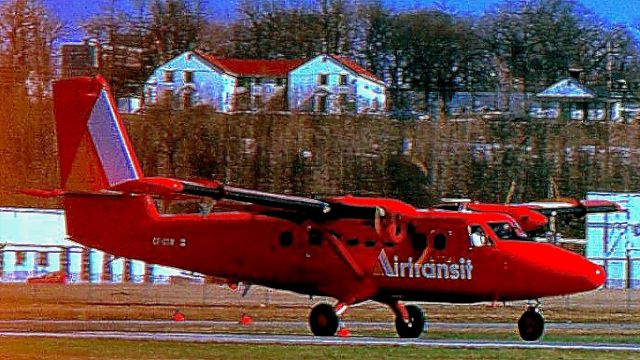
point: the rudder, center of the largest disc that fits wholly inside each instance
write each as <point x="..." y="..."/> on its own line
<point x="94" y="150"/>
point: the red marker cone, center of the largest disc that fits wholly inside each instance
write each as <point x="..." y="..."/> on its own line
<point x="178" y="316"/>
<point x="245" y="319"/>
<point x="343" y="332"/>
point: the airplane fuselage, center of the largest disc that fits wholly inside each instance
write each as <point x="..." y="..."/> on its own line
<point x="423" y="256"/>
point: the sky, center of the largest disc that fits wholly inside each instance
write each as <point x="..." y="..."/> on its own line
<point x="73" y="12"/>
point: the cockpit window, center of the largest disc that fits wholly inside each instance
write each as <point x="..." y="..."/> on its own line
<point x="507" y="231"/>
<point x="477" y="236"/>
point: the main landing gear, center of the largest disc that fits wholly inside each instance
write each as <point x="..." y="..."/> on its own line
<point x="531" y="324"/>
<point x="324" y="319"/>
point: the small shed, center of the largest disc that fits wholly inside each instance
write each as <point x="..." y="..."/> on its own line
<point x="567" y="93"/>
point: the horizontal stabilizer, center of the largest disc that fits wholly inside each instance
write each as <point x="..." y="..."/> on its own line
<point x="42" y="193"/>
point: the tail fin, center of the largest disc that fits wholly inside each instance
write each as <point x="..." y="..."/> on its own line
<point x="93" y="147"/>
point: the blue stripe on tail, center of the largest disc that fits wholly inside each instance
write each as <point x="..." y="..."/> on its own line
<point x="114" y="154"/>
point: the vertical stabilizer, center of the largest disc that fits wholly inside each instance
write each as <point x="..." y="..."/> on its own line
<point x="94" y="150"/>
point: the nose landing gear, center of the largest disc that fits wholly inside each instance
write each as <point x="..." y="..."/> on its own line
<point x="531" y="324"/>
<point x="410" y="320"/>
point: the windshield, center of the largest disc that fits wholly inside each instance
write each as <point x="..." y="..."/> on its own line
<point x="508" y="231"/>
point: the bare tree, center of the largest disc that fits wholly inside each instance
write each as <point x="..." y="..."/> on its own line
<point x="28" y="33"/>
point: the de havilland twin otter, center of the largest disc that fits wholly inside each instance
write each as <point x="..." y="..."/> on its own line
<point x="352" y="249"/>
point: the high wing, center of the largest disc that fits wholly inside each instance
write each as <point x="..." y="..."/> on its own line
<point x="285" y="206"/>
<point x="533" y="216"/>
<point x="575" y="207"/>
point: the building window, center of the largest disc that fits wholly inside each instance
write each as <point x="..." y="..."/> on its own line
<point x="168" y="76"/>
<point x="343" y="80"/>
<point x="342" y="99"/>
<point x="21" y="258"/>
<point x="167" y="94"/>
<point x="43" y="259"/>
<point x="186" y="99"/>
<point x="188" y="77"/>
<point x="323" y="79"/>
<point x="322" y="104"/>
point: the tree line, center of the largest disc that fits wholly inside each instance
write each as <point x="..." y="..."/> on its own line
<point x="424" y="56"/>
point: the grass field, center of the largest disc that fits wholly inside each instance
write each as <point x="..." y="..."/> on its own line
<point x="140" y="350"/>
<point x="213" y="302"/>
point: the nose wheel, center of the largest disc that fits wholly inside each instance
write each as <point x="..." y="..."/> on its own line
<point x="531" y="324"/>
<point x="323" y="320"/>
<point x="410" y="320"/>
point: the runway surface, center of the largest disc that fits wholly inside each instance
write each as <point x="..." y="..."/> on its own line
<point x="311" y="340"/>
<point x="292" y="325"/>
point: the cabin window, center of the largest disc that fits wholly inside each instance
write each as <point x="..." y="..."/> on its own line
<point x="418" y="240"/>
<point x="369" y="243"/>
<point x="439" y="242"/>
<point x="168" y="76"/>
<point x="352" y="242"/>
<point x="477" y="236"/>
<point x="315" y="237"/>
<point x="286" y="239"/>
<point x="188" y="77"/>
<point x="343" y="80"/>
<point x="323" y="79"/>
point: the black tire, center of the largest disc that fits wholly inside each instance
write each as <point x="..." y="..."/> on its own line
<point x="531" y="325"/>
<point x="323" y="320"/>
<point x="415" y="326"/>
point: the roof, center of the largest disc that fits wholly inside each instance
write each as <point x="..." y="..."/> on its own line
<point x="357" y="68"/>
<point x="254" y="68"/>
<point x="277" y="68"/>
<point x="567" y="89"/>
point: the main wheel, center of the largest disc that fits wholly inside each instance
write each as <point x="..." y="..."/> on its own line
<point x="415" y="326"/>
<point x="323" y="320"/>
<point x="531" y="325"/>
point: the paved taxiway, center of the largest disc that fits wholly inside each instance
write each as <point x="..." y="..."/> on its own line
<point x="311" y="340"/>
<point x="295" y="325"/>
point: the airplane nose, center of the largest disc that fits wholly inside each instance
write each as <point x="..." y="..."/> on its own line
<point x="586" y="275"/>
<point x="598" y="277"/>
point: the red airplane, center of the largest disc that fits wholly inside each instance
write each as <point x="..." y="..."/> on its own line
<point x="534" y="216"/>
<point x="353" y="249"/>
